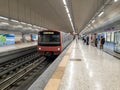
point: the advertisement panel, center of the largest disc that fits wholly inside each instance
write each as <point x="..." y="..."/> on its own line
<point x="10" y="39"/>
<point x="6" y="39"/>
<point x="27" y="37"/>
<point x="2" y="39"/>
<point x="34" y="37"/>
<point x="18" y="38"/>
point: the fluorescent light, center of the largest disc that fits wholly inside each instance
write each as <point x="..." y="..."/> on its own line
<point x="101" y="14"/>
<point x="3" y="18"/>
<point x="29" y="24"/>
<point x="14" y="20"/>
<point x="23" y="23"/>
<point x="70" y="19"/>
<point x="115" y="0"/>
<point x="93" y="21"/>
<point x="64" y="1"/>
<point x="35" y="26"/>
<point x="69" y="15"/>
<point x="4" y="24"/>
<point x="67" y="10"/>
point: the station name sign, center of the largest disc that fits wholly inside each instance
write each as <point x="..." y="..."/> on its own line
<point x="48" y="32"/>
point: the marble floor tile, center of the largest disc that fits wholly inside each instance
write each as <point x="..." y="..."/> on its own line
<point x="96" y="71"/>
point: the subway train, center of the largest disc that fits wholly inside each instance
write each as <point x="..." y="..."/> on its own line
<point x="53" y="42"/>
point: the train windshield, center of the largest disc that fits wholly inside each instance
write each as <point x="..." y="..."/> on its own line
<point x="49" y="38"/>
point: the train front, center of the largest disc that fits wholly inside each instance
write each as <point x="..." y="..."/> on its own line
<point x="49" y="43"/>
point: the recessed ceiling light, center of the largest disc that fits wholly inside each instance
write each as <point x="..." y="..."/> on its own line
<point x="115" y="0"/>
<point x="14" y="20"/>
<point x="29" y="24"/>
<point x="93" y="21"/>
<point x="64" y="1"/>
<point x="22" y="23"/>
<point x="101" y="14"/>
<point x="1" y="17"/>
<point x="67" y="10"/>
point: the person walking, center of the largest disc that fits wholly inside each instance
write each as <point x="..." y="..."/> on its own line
<point x="102" y="41"/>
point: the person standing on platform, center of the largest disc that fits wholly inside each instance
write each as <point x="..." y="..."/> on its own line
<point x="84" y="40"/>
<point x="96" y="42"/>
<point x="87" y="40"/>
<point x="102" y="41"/>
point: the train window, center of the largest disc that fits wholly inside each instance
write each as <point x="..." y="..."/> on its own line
<point x="112" y="36"/>
<point x="108" y="36"/>
<point x="117" y="42"/>
<point x="49" y="39"/>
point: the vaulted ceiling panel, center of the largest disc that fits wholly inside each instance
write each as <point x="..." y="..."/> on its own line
<point x="51" y="13"/>
<point x="83" y="11"/>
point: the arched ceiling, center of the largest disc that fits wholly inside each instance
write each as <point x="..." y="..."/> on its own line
<point x="51" y="13"/>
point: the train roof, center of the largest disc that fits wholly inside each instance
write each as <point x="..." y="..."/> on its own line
<point x="50" y="30"/>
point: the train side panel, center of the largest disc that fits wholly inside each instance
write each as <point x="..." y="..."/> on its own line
<point x="66" y="39"/>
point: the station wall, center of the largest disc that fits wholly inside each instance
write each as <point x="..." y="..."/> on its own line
<point x="10" y="37"/>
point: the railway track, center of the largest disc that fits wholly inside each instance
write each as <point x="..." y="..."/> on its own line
<point x="29" y="67"/>
<point x="17" y="64"/>
<point x="29" y="77"/>
<point x="21" y="72"/>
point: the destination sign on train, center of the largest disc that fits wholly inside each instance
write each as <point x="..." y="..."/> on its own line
<point x="48" y="32"/>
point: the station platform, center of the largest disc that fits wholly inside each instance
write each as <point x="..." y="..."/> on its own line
<point x="85" y="67"/>
<point x="16" y="46"/>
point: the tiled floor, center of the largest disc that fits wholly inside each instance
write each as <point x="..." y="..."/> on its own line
<point x="90" y="69"/>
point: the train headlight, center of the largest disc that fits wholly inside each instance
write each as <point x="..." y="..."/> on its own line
<point x="39" y="48"/>
<point x="58" y="49"/>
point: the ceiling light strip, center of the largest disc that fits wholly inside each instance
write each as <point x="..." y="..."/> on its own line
<point x="115" y="0"/>
<point x="1" y="17"/>
<point x="101" y="14"/>
<point x="23" y="23"/>
<point x="68" y="13"/>
<point x="14" y="20"/>
<point x="93" y="21"/>
<point x="29" y="24"/>
<point x="64" y="1"/>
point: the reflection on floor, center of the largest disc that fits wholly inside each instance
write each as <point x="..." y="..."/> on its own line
<point x="90" y="69"/>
